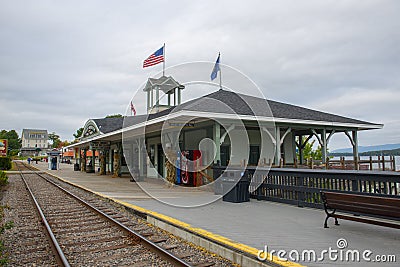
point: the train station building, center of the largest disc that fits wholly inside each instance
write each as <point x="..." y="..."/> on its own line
<point x="224" y="127"/>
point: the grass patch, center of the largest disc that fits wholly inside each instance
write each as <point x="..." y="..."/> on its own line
<point x="3" y="179"/>
<point x="13" y="166"/>
<point x="4" y="225"/>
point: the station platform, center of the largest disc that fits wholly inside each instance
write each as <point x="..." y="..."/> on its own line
<point x="253" y="224"/>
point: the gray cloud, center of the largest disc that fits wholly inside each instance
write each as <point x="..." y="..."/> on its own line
<point x="64" y="62"/>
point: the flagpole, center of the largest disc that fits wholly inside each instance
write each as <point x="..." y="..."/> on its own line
<point x="220" y="71"/>
<point x="163" y="70"/>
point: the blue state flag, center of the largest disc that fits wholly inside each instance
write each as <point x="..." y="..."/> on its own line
<point x="216" y="68"/>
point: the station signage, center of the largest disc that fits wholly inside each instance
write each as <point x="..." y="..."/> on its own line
<point x="98" y="145"/>
<point x="179" y="124"/>
<point x="3" y="147"/>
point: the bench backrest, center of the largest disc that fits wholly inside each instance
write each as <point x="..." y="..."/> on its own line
<point x="374" y="205"/>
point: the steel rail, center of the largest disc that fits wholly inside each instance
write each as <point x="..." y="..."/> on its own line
<point x="60" y="254"/>
<point x="149" y="244"/>
<point x="166" y="255"/>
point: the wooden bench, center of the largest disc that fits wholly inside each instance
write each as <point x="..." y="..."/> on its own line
<point x="381" y="211"/>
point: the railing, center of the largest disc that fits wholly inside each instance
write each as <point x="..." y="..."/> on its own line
<point x="302" y="186"/>
<point x="383" y="163"/>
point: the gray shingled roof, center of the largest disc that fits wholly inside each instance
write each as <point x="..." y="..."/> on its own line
<point x="223" y="101"/>
<point x="107" y="125"/>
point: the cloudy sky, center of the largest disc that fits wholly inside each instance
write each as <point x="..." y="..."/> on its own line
<point x="62" y="62"/>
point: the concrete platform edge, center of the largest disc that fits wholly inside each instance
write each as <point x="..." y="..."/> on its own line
<point x="236" y="252"/>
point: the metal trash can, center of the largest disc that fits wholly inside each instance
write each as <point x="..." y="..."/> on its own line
<point x="238" y="192"/>
<point x="76" y="167"/>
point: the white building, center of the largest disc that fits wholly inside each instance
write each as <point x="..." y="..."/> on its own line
<point x="32" y="139"/>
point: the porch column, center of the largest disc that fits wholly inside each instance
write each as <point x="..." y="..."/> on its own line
<point x="102" y="157"/>
<point x="111" y="160"/>
<point x="83" y="161"/>
<point x="151" y="99"/>
<point x="140" y="158"/>
<point x="148" y="100"/>
<point x="277" y="145"/>
<point x="294" y="146"/>
<point x="324" y="149"/>
<point x="175" y="97"/>
<point x="107" y="160"/>
<point x="94" y="159"/>
<point x="143" y="155"/>
<point x="117" y="163"/>
<point x="157" y="96"/>
<point x="300" y="147"/>
<point x="77" y="156"/>
<point x="355" y="149"/>
<point x="217" y="140"/>
<point x="179" y="96"/>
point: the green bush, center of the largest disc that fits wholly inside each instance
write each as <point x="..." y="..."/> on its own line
<point x="3" y="178"/>
<point x="5" y="163"/>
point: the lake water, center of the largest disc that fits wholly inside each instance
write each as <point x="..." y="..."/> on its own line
<point x="375" y="165"/>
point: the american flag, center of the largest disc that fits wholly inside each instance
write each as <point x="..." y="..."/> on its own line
<point x="155" y="58"/>
<point x="133" y="109"/>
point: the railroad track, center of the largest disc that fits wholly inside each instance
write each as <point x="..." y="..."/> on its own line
<point x="29" y="244"/>
<point x="88" y="233"/>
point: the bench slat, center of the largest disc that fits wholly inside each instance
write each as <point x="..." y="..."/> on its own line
<point x="373" y="210"/>
<point x="363" y="198"/>
<point x="365" y="220"/>
<point x="385" y="207"/>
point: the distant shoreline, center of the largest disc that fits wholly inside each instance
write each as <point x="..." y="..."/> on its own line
<point x="392" y="152"/>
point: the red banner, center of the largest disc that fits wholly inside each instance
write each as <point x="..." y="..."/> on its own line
<point x="3" y="147"/>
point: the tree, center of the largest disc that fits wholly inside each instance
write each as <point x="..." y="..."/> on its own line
<point x="63" y="144"/>
<point x="14" y="142"/>
<point x="55" y="138"/>
<point x="310" y="152"/>
<point x="114" y="116"/>
<point x="78" y="133"/>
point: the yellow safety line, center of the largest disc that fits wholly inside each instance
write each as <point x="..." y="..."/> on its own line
<point x="201" y="232"/>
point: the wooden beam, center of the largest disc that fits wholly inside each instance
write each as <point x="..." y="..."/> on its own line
<point x="222" y="139"/>
<point x="306" y="141"/>
<point x="285" y="134"/>
<point x="324" y="146"/>
<point x="277" y="145"/>
<point x="209" y="178"/>
<point x="270" y="135"/>
<point x="355" y="149"/>
<point x="318" y="138"/>
<point x="329" y="136"/>
<point x="350" y="138"/>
